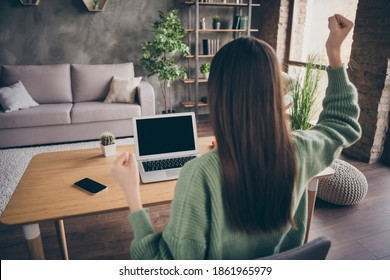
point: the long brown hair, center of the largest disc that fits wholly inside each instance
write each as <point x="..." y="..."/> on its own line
<point x="254" y="141"/>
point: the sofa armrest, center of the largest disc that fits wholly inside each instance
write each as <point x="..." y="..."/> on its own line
<point x="146" y="98"/>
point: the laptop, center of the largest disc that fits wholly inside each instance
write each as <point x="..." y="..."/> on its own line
<point x="163" y="144"/>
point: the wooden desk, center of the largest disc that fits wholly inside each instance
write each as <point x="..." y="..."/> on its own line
<point x="45" y="192"/>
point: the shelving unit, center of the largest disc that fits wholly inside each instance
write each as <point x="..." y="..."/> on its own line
<point x="190" y="104"/>
<point x="200" y="56"/>
<point x="30" y="2"/>
<point x="220" y="3"/>
<point x="193" y="30"/>
<point x="221" y="30"/>
<point x="191" y="81"/>
<point x="90" y="5"/>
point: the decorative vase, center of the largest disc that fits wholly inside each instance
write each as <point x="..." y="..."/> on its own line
<point x="203" y="23"/>
<point x="109" y="150"/>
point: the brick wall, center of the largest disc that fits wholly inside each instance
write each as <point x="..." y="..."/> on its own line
<point x="370" y="57"/>
<point x="266" y="18"/>
<point x="385" y="108"/>
<point x="282" y="29"/>
<point x="300" y="10"/>
<point x="271" y="19"/>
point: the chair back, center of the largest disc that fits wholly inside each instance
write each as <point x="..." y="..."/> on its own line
<point x="316" y="249"/>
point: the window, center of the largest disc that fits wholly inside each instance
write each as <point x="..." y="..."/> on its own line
<point x="310" y="27"/>
<point x="309" y="32"/>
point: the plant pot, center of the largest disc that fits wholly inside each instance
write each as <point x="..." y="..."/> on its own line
<point x="203" y="99"/>
<point x="109" y="150"/>
<point x="217" y="25"/>
<point x="169" y="112"/>
<point x="206" y="75"/>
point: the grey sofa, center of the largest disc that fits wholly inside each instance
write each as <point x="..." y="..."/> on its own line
<point x="71" y="107"/>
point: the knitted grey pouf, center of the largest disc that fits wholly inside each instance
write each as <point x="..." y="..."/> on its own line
<point x="346" y="186"/>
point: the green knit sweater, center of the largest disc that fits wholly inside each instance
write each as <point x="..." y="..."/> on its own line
<point x="197" y="227"/>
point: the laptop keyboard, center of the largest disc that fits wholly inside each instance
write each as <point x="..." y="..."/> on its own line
<point x="163" y="164"/>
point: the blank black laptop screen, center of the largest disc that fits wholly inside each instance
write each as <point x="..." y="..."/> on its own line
<point x="165" y="135"/>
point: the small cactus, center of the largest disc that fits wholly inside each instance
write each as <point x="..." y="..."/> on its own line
<point x="107" y="138"/>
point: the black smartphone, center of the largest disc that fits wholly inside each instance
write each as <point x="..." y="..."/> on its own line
<point x="90" y="186"/>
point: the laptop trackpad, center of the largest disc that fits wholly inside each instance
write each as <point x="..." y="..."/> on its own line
<point x="174" y="173"/>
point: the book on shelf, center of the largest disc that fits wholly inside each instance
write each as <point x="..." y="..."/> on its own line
<point x="210" y="46"/>
<point x="240" y="22"/>
<point x="236" y="22"/>
<point x="222" y="1"/>
<point x="243" y="22"/>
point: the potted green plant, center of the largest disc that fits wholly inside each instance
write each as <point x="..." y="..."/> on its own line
<point x="216" y="22"/>
<point x="159" y="55"/>
<point x="95" y="4"/>
<point x="304" y="93"/>
<point x="205" y="69"/>
<point x="107" y="144"/>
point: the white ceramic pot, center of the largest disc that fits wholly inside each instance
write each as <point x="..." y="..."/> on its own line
<point x="206" y="75"/>
<point x="109" y="150"/>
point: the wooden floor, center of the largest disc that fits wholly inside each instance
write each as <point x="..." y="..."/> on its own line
<point x="357" y="232"/>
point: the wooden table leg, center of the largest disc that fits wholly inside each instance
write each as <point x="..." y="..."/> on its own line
<point x="311" y="196"/>
<point x="32" y="234"/>
<point x="60" y="228"/>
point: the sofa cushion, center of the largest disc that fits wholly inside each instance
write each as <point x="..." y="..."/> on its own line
<point x="92" y="82"/>
<point x="44" y="114"/>
<point x="123" y="90"/>
<point x="15" y="97"/>
<point x="98" y="111"/>
<point x="45" y="83"/>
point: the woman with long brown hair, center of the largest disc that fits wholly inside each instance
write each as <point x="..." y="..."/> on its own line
<point x="247" y="198"/>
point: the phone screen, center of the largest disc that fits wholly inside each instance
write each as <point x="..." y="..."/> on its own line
<point x="90" y="186"/>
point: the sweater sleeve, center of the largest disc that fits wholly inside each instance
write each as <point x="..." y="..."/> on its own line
<point x="185" y="236"/>
<point x="337" y="127"/>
